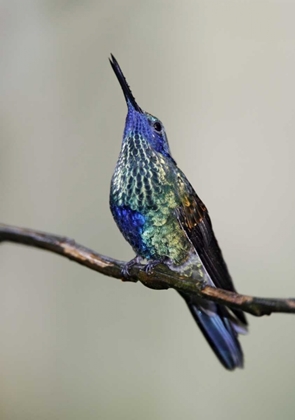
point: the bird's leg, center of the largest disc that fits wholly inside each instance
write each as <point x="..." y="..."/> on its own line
<point x="153" y="263"/>
<point x="125" y="270"/>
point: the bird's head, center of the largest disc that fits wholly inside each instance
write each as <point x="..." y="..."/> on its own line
<point x="140" y="124"/>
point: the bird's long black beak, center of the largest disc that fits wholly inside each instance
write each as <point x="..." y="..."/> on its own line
<point x="124" y="85"/>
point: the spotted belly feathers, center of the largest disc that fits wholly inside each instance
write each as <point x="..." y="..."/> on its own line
<point x="143" y="201"/>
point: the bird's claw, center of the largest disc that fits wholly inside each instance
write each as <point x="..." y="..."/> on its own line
<point x="149" y="267"/>
<point x="125" y="270"/>
<point x="152" y="264"/>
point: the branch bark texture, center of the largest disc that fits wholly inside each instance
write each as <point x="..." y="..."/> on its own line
<point x="161" y="278"/>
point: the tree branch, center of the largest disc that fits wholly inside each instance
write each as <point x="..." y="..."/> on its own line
<point x="161" y="278"/>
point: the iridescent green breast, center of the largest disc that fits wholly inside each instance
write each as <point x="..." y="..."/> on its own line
<point x="144" y="182"/>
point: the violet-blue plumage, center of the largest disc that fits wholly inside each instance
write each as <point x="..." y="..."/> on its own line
<point x="143" y="124"/>
<point x="130" y="223"/>
<point x="163" y="219"/>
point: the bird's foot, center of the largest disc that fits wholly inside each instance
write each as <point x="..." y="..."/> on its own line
<point x="153" y="263"/>
<point x="131" y="263"/>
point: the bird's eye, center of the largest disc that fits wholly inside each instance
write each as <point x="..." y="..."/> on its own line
<point x="157" y="126"/>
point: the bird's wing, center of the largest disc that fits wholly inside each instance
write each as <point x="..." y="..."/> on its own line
<point x="194" y="219"/>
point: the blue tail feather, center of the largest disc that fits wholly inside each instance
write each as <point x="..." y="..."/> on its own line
<point x="220" y="334"/>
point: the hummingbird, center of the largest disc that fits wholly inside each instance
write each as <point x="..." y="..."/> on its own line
<point x="158" y="212"/>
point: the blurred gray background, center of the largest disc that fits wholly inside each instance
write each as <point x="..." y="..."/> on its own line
<point x="220" y="75"/>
